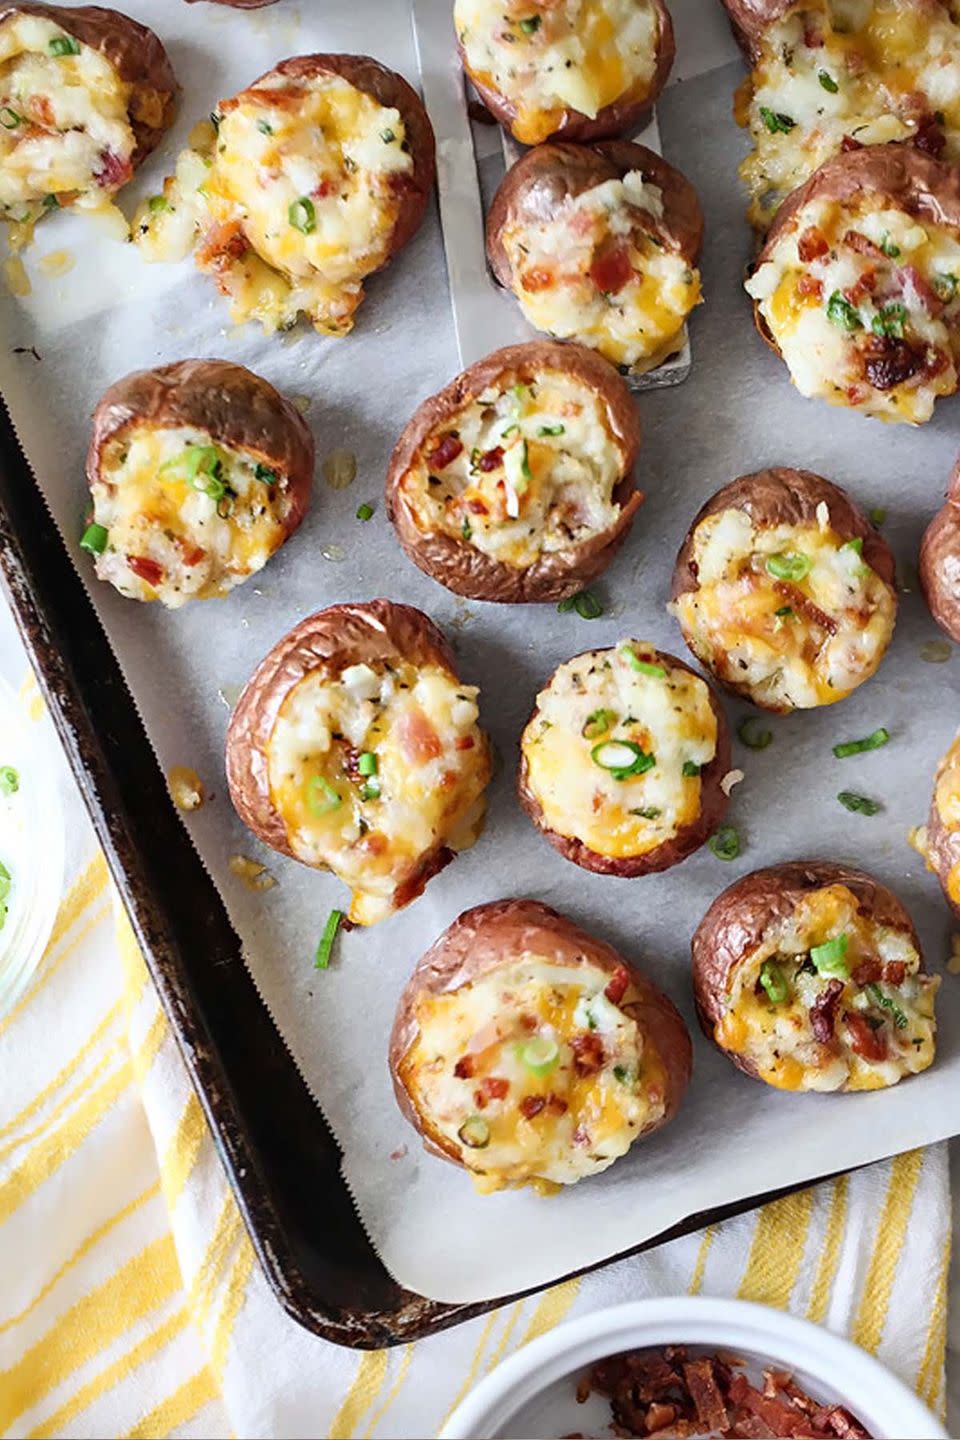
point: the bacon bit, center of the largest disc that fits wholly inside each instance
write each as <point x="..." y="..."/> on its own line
<point x="192" y="554"/>
<point x="894" y="972"/>
<point x="528" y="1023"/>
<point x="113" y="170"/>
<point x="221" y="246"/>
<point x="863" y="287"/>
<point x="465" y="742"/>
<point x="617" y="988"/>
<point x="855" y="62"/>
<point x="477" y="507"/>
<point x="611" y="270"/>
<point x="39" y="109"/>
<point x="415" y="884"/>
<point x="494" y="1087"/>
<point x="810" y="285"/>
<point x="823" y="1011"/>
<point x="374" y="843"/>
<point x="325" y="188"/>
<point x="588" y="1053"/>
<point x="186" y="787"/>
<point x="805" y="606"/>
<point x="889" y="362"/>
<point x="930" y="139"/>
<point x="856" y="240"/>
<point x="479" y="1099"/>
<point x="869" y="971"/>
<point x="812" y="37"/>
<point x="580" y="1136"/>
<point x="491" y="459"/>
<point x="531" y="1105"/>
<point x="465" y="1067"/>
<point x="399" y="1153"/>
<point x="705" y="1394"/>
<point x="916" y="289"/>
<point x="812" y="244"/>
<point x="351" y="762"/>
<point x="935" y="362"/>
<point x="418" y="739"/>
<point x="556" y="1105"/>
<point x="537" y="278"/>
<point x="445" y="451"/>
<point x="146" y="568"/>
<point x="866" y="1042"/>
<point x="856" y="394"/>
<point x="849" y="142"/>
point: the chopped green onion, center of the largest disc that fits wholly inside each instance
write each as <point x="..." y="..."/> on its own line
<point x="325" y="948"/>
<point x="9" y="119"/>
<point x="541" y="1054"/>
<point x="513" y="429"/>
<point x="828" y="82"/>
<point x="643" y="667"/>
<point x="367" y="763"/>
<point x="856" y="545"/>
<point x="598" y="723"/>
<point x="725" y="843"/>
<point x="774" y="982"/>
<point x="264" y="127"/>
<point x="551" y="430"/>
<point x="690" y="769"/>
<point x="466" y="529"/>
<point x="753" y="738"/>
<point x="51" y="202"/>
<point x="775" y="121"/>
<point x="370" y="790"/>
<point x="302" y="215"/>
<point x="5" y="881"/>
<point x="530" y="25"/>
<point x="887" y="1003"/>
<point x="521" y="392"/>
<point x="365" y="512"/>
<point x="587" y="605"/>
<point x="9" y="780"/>
<point x="890" y="320"/>
<point x="875" y="741"/>
<point x="878" y="515"/>
<point x="94" y="539"/>
<point x="64" y="45"/>
<point x="830" y="957"/>
<point x="524" y="461"/>
<point x="649" y="812"/>
<point x="622" y="758"/>
<point x="946" y="286"/>
<point x="565" y="606"/>
<point x="623" y="1074"/>
<point x="387" y="136"/>
<point x="840" y="312"/>
<point x="859" y="804"/>
<point x="322" y="797"/>
<point x="474" y="1133"/>
<point x="266" y="474"/>
<point x="788" y="566"/>
<point x="156" y="203"/>
<point x="889" y="248"/>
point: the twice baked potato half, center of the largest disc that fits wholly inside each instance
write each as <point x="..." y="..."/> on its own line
<point x="85" y="94"/>
<point x="516" y="481"/>
<point x="857" y="287"/>
<point x="583" y="70"/>
<point x="600" y="244"/>
<point x="198" y="472"/>
<point x="943" y="826"/>
<point x="785" y="591"/>
<point x="623" y="759"/>
<point x="940" y="561"/>
<point x="827" y="75"/>
<point x="355" y="748"/>
<point x="298" y="188"/>
<point x="531" y="1053"/>
<point x="809" y="976"/>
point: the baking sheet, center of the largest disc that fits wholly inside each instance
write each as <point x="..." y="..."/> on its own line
<point x="734" y="1138"/>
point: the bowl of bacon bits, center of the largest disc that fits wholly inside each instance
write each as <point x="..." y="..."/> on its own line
<point x="681" y="1368"/>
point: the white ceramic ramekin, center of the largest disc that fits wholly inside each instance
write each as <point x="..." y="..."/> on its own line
<point x="532" y="1393"/>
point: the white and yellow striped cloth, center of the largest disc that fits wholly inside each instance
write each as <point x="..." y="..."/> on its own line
<point x="130" y="1300"/>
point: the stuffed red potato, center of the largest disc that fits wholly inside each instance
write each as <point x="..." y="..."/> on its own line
<point x="940" y="562"/>
<point x="809" y="976"/>
<point x="857" y="287"/>
<point x="531" y="1053"/>
<point x="583" y="70"/>
<point x="826" y="76"/>
<point x="198" y="472"/>
<point x="85" y="94"/>
<point x="516" y="481"/>
<point x="355" y="748"/>
<point x="623" y="760"/>
<point x="943" y="826"/>
<point x="600" y="244"/>
<point x="300" y="187"/>
<point x="785" y="591"/>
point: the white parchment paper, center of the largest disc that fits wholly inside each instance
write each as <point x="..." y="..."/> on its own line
<point x="734" y="1138"/>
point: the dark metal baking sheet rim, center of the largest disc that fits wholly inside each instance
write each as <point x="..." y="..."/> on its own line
<point x="286" y="1176"/>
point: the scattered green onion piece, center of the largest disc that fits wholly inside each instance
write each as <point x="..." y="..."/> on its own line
<point x="367" y="763"/>
<point x="622" y="758"/>
<point x="3" y="914"/>
<point x="387" y="136"/>
<point x="541" y="1054"/>
<point x="623" y="1074"/>
<point x="691" y="769"/>
<point x="513" y="429"/>
<point x="887" y="1003"/>
<point x="322" y="797"/>
<point x="788" y="566"/>
<point x="775" y="121"/>
<point x="5" y="881"/>
<point x="266" y="474"/>
<point x="725" y="843"/>
<point x="551" y="430"/>
<point x="94" y="539"/>
<point x="474" y="1133"/>
<point x="751" y="736"/>
<point x="828" y="82"/>
<point x="877" y="515"/>
<point x="840" y="312"/>
<point x="530" y="25"/>
<point x="565" y="606"/>
<point x="370" y="790"/>
<point x="466" y="530"/>
<point x="264" y="127"/>
<point x="859" y="804"/>
<point x="51" y="202"/>
<point x="890" y="320"/>
<point x="364" y="512"/>
<point x="62" y="45"/>
<point x="325" y="948"/>
<point x="946" y="287"/>
<point x="598" y="723"/>
<point x="302" y="215"/>
<point x="830" y="957"/>
<point x="774" y="982"/>
<point x="521" y="392"/>
<point x="783" y="612"/>
<point x="587" y="605"/>
<point x="890" y="248"/>
<point x="525" y="461"/>
<point x="875" y="741"/>
<point x="9" y="118"/>
<point x="649" y="812"/>
<point x="9" y="780"/>
<point x="643" y="667"/>
<point x="156" y="203"/>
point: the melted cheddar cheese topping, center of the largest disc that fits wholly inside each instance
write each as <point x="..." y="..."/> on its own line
<point x="597" y="270"/>
<point x="947" y="800"/>
<point x="859" y="1017"/>
<point x="615" y="748"/>
<point x="864" y="305"/>
<point x="875" y="70"/>
<point x="372" y="770"/>
<point x="792" y="644"/>
<point x="531" y="1074"/>
<point x="187" y="518"/>
<point x="295" y="195"/>
<point x="529" y="469"/>
<point x="549" y="56"/>
<point x="65" y="133"/>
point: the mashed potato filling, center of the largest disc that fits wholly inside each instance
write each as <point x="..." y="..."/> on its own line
<point x="546" y="58"/>
<point x="534" y="1072"/>
<point x="373" y="770"/>
<point x="186" y="517"/>
<point x="792" y="613"/>
<point x="65" y="133"/>
<point x="864" y="305"/>
<point x="597" y="271"/>
<point x="947" y="800"/>
<point x="521" y="471"/>
<point x="831" y="1000"/>
<point x="294" y="194"/>
<point x="615" y="749"/>
<point x="874" y="70"/>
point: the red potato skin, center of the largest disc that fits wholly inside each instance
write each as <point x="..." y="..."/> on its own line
<point x="239" y="409"/>
<point x="460" y="566"/>
<point x="133" y="50"/>
<point x="545" y="177"/>
<point x="940" y="561"/>
<point x="750" y="19"/>
<point x="943" y="845"/>
<point x="613" y="120"/>
<point x="239" y="4"/>
<point x="713" y="805"/>
<point x="738" y="919"/>
<point x="491" y="935"/>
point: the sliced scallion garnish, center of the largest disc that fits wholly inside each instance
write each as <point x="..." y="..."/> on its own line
<point x="367" y="763"/>
<point x="753" y="733"/>
<point x="541" y="1054"/>
<point x="859" y="804"/>
<point x="330" y="931"/>
<point x="622" y="758"/>
<point x="474" y="1133"/>
<point x="725" y="843"/>
<point x="774" y="982"/>
<point x="874" y="741"/>
<point x="62" y="45"/>
<point x="886" y="1002"/>
<point x="830" y="957"/>
<point x="302" y="215"/>
<point x="598" y="723"/>
<point x="786" y="566"/>
<point x="9" y="780"/>
<point x="322" y="797"/>
<point x="94" y="539"/>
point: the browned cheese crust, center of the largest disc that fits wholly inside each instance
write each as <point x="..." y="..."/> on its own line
<point x="136" y="54"/>
<point x="239" y="409"/>
<point x="547" y="176"/>
<point x="713" y="805"/>
<point x="736" y="922"/>
<point x="940" y="561"/>
<point x="460" y="566"/>
<point x="943" y="844"/>
<point x="498" y="933"/>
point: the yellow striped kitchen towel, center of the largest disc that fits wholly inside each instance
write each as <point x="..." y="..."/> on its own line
<point x="131" y="1303"/>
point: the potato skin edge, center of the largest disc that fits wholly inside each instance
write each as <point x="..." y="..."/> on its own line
<point x="939" y="564"/>
<point x="943" y="845"/>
